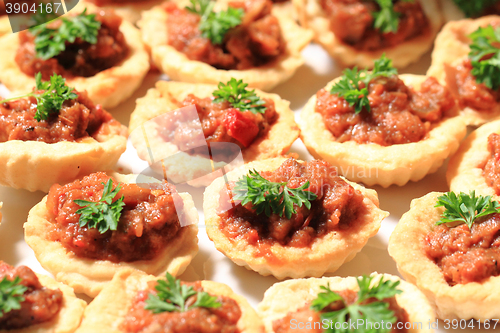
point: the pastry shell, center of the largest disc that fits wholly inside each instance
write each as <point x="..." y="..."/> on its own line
<point x="108" y="88"/>
<point x="69" y="317"/>
<point x="288" y="296"/>
<point x="450" y="11"/>
<point x="36" y="165"/>
<point x="5" y="27"/>
<point x="462" y="301"/>
<point x="162" y="99"/>
<point x="451" y="49"/>
<point x="465" y="169"/>
<point x="325" y="254"/>
<point x="312" y="16"/>
<point x="106" y="313"/>
<point x="130" y="11"/>
<point x="89" y="276"/>
<point x="383" y="165"/>
<point x="180" y="68"/>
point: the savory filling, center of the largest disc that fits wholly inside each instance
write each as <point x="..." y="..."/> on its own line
<point x="148" y="221"/>
<point x="113" y="2"/>
<point x="78" y="118"/>
<point x="491" y="171"/>
<point x="352" y="21"/>
<point x="335" y="209"/>
<point x="79" y="58"/>
<point x="398" y="114"/>
<point x="312" y="320"/>
<point x="40" y="304"/>
<point x="222" y="319"/>
<point x="220" y="123"/>
<point x="466" y="255"/>
<point x="257" y="41"/>
<point x="468" y="91"/>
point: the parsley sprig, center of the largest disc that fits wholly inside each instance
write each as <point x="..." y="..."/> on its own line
<point x="54" y="93"/>
<point x="11" y="295"/>
<point x="267" y="196"/>
<point x="235" y="92"/>
<point x="105" y="213"/>
<point x="485" y="56"/>
<point x="353" y="84"/>
<point x="374" y="312"/>
<point x="466" y="208"/>
<point x="215" y="25"/>
<point x="387" y="19"/>
<point x="171" y="296"/>
<point x="51" y="42"/>
<point x="473" y="8"/>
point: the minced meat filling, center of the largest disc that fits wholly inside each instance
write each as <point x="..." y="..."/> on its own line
<point x="468" y="91"/>
<point x="491" y="171"/>
<point x="40" y="303"/>
<point x="219" y="121"/>
<point x="398" y="113"/>
<point x="305" y="315"/>
<point x="257" y="41"/>
<point x="466" y="255"/>
<point x="79" y="58"/>
<point x="77" y="119"/>
<point x="335" y="209"/>
<point x="352" y="22"/>
<point x="223" y="319"/>
<point x="148" y="221"/>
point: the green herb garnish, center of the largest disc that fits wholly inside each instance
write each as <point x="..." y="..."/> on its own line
<point x="374" y="312"/>
<point x="485" y="56"/>
<point x="466" y="208"/>
<point x="11" y="295"/>
<point x="387" y="19"/>
<point x="105" y="213"/>
<point x="172" y="296"/>
<point x="215" y="25"/>
<point x="50" y="101"/>
<point x="349" y="86"/>
<point x="51" y="42"/>
<point x="267" y="196"/>
<point x="239" y="97"/>
<point x="473" y="8"/>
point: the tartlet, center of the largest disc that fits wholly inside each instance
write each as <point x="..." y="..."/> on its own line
<point x="288" y="296"/>
<point x="383" y="165"/>
<point x="129" y="10"/>
<point x="462" y="301"/>
<point x="325" y="254"/>
<point x="451" y="50"/>
<point x="101" y="317"/>
<point x="69" y="317"/>
<point x="312" y="16"/>
<point x="89" y="276"/>
<point x="466" y="166"/>
<point x="109" y="87"/>
<point x="162" y="99"/>
<point x="180" y="68"/>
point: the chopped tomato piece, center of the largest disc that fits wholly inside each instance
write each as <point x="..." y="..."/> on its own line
<point x="240" y="127"/>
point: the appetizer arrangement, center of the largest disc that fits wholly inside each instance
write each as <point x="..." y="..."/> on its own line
<point x="122" y="240"/>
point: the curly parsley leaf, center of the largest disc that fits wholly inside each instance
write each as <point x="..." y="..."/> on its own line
<point x="239" y="97"/>
<point x="473" y="8"/>
<point x="387" y="19"/>
<point x="215" y="25"/>
<point x="50" y="42"/>
<point x="374" y="312"/>
<point x="271" y="197"/>
<point x="353" y="84"/>
<point x="105" y="213"/>
<point x="485" y="56"/>
<point x="466" y="208"/>
<point x="11" y="295"/>
<point x="172" y="296"/>
<point x="50" y="96"/>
